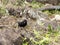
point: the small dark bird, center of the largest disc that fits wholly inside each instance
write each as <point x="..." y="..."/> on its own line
<point x="23" y="23"/>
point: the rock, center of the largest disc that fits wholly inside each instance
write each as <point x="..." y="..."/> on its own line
<point x="32" y="14"/>
<point x="18" y="41"/>
<point x="56" y="17"/>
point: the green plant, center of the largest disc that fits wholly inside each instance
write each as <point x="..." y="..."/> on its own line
<point x="43" y="41"/>
<point x="35" y="4"/>
<point x="25" y="42"/>
<point x="3" y="11"/>
<point x="51" y="12"/>
<point x="20" y="2"/>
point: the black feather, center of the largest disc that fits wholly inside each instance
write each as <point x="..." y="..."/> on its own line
<point x="23" y="23"/>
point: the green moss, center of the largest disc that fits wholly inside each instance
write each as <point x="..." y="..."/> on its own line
<point x="51" y="12"/>
<point x="35" y="4"/>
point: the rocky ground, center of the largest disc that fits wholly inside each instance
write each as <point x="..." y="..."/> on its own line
<point x="39" y="30"/>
